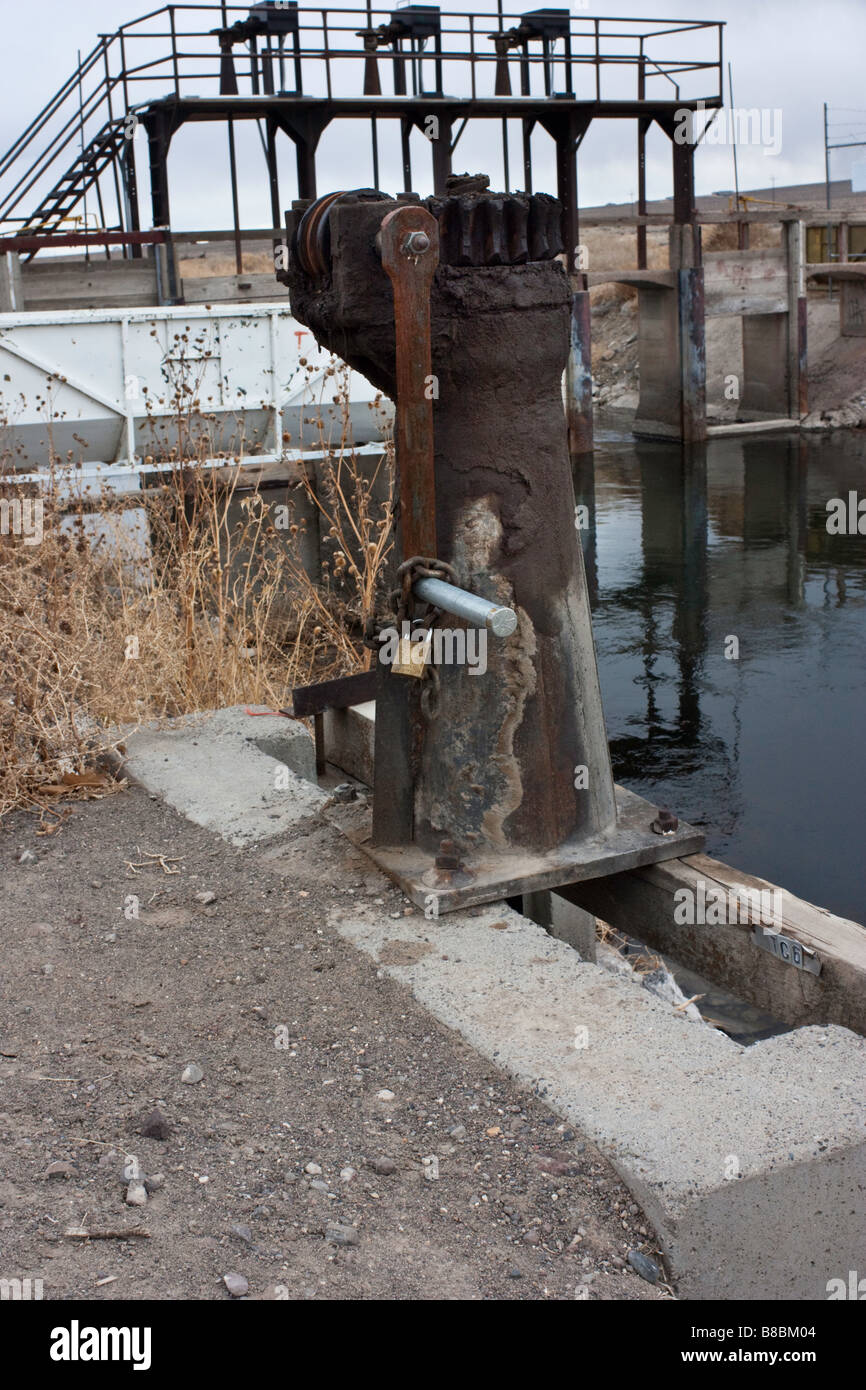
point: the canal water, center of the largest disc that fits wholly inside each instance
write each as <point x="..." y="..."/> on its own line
<point x="731" y="634"/>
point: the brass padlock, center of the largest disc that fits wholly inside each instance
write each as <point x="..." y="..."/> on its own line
<point x="413" y="654"/>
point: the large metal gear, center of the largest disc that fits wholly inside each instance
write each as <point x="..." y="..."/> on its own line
<point x="476" y="227"/>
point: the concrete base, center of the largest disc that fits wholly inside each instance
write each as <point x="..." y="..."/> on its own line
<point x="247" y="778"/>
<point x="671" y="344"/>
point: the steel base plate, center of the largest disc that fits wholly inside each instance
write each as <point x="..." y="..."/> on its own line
<point x="629" y="845"/>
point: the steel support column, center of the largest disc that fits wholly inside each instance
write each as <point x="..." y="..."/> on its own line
<point x="160" y="126"/>
<point x="305" y="129"/>
<point x="567" y="130"/>
<point x="441" y="155"/>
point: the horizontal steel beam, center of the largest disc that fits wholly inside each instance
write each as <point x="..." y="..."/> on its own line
<point x="515" y="107"/>
<point x="36" y="243"/>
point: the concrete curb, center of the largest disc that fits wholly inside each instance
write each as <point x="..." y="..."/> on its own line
<point x="749" y="1161"/>
<point x="249" y="778"/>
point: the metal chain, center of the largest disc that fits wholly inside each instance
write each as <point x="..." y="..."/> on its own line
<point x="405" y="603"/>
<point x="419" y="567"/>
<point x="402" y="599"/>
<point x="430" y="692"/>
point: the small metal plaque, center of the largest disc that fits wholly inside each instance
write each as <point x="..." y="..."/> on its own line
<point x="787" y="949"/>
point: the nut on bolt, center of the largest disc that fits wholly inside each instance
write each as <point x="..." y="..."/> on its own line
<point x="665" y="822"/>
<point x="416" y="244"/>
<point x="448" y="856"/>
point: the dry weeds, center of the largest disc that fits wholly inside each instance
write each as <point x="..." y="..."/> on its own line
<point x="195" y="598"/>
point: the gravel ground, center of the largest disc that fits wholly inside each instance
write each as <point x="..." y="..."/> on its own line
<point x="302" y="1161"/>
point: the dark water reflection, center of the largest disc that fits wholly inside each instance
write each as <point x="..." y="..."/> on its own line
<point x="686" y="549"/>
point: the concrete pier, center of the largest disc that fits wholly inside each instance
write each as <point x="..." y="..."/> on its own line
<point x="764" y="287"/>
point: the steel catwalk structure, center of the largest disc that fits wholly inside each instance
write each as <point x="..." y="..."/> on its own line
<point x="295" y="70"/>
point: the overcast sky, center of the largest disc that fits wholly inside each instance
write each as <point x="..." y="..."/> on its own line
<point x="788" y="56"/>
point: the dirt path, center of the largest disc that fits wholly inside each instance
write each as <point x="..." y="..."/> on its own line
<point x="297" y="1037"/>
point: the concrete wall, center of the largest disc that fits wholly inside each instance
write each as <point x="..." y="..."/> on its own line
<point x="852" y="308"/>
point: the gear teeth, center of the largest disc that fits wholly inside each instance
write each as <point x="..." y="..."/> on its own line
<point x="517" y="230"/>
<point x="491" y="215"/>
<point x="478" y="229"/>
<point x="545" y="228"/>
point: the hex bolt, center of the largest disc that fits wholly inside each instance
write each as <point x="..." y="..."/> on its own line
<point x="416" y="244"/>
<point x="448" y="856"/>
<point x="665" y="822"/>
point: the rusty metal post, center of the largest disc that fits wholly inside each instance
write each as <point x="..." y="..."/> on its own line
<point x="693" y="357"/>
<point x="409" y="245"/>
<point x="578" y="376"/>
<point x="794" y="234"/>
<point x="643" y="126"/>
<point x="686" y="262"/>
<point x="502" y="775"/>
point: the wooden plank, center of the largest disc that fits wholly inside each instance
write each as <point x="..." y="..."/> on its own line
<point x="814" y="926"/>
<point x="214" y="289"/>
<point x="746" y="282"/>
<point x="652" y="279"/>
<point x="753" y="262"/>
<point x="721" y="301"/>
<point x="276" y="473"/>
<point x="836" y="270"/>
<point x="37" y="243"/>
<point x="642" y="903"/>
<point x="99" y="285"/>
<point x="665" y="219"/>
<point x="48" y="303"/>
<point x="782" y="422"/>
<point x="253" y="234"/>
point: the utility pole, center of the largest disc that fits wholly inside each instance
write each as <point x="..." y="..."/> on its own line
<point x="826" y="159"/>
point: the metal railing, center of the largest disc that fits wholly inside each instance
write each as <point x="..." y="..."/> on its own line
<point x="236" y="51"/>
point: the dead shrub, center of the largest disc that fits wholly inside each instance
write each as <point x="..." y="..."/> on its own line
<point x="196" y="599"/>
